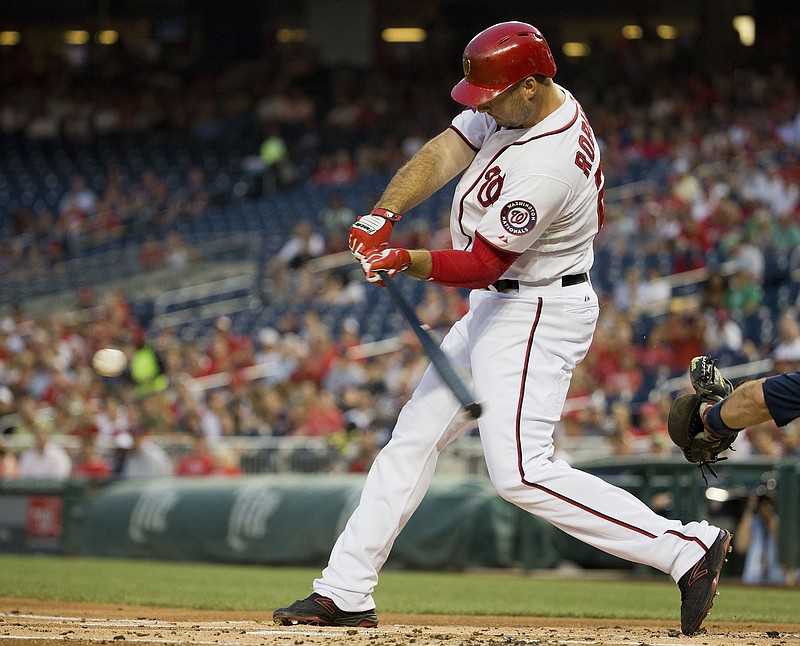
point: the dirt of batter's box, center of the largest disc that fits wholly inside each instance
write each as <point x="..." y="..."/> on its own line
<point x="33" y="622"/>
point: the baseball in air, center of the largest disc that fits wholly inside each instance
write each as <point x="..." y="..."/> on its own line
<point x="109" y="362"/>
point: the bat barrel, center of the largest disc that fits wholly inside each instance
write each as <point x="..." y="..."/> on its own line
<point x="474" y="410"/>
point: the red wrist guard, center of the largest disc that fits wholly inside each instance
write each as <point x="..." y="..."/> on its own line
<point x="386" y="213"/>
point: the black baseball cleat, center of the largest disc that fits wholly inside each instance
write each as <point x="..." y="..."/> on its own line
<point x="707" y="381"/>
<point x="322" y="611"/>
<point x="699" y="585"/>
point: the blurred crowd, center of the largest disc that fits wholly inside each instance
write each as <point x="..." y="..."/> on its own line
<point x="719" y="155"/>
<point x="310" y="383"/>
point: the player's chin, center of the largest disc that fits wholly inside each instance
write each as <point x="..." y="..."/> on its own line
<point x="505" y="123"/>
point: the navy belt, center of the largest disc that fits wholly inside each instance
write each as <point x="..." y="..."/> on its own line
<point x="506" y="285"/>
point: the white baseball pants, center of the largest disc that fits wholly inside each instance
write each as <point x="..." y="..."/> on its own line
<point x="520" y="348"/>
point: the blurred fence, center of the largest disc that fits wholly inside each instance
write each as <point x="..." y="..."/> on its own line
<point x="294" y="519"/>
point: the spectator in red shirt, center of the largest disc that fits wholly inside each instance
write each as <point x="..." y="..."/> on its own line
<point x="336" y="169"/>
<point x="651" y="420"/>
<point x="684" y="329"/>
<point x="627" y="377"/>
<point x="228" y="350"/>
<point x="323" y="417"/>
<point x="367" y="447"/>
<point x="153" y="254"/>
<point x="317" y="363"/>
<point x="89" y="464"/>
<point x="200" y="461"/>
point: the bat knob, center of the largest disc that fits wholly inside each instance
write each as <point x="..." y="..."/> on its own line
<point x="474" y="410"/>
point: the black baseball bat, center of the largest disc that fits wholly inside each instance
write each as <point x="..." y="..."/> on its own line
<point x="438" y="358"/>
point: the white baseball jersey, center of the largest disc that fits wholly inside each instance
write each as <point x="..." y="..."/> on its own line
<point x="536" y="192"/>
<point x="519" y="195"/>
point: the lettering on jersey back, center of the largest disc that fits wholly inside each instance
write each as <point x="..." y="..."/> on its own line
<point x="491" y="187"/>
<point x="585" y="156"/>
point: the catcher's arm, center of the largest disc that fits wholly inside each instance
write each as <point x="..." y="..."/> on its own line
<point x="747" y="406"/>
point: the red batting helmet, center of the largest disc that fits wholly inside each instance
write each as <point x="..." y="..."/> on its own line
<point x="500" y="56"/>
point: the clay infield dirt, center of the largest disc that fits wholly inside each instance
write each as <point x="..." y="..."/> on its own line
<point x="31" y="623"/>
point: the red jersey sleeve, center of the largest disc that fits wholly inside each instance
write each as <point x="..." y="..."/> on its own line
<point x="473" y="269"/>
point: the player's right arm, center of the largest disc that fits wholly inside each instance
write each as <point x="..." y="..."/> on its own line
<point x="435" y="164"/>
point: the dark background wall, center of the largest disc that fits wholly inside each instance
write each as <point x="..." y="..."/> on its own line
<point x="225" y="31"/>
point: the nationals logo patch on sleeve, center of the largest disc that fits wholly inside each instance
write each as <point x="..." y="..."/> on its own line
<point x="518" y="217"/>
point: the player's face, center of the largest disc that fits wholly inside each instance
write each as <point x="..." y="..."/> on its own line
<point x="510" y="109"/>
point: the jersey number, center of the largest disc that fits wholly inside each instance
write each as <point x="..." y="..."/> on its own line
<point x="491" y="187"/>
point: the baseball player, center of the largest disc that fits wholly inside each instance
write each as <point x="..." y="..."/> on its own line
<point x="525" y="212"/>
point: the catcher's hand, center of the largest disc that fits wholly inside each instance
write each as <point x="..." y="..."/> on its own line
<point x="707" y="380"/>
<point x="687" y="431"/>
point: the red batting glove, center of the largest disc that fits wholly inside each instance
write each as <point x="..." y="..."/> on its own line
<point x="392" y="261"/>
<point x="371" y="232"/>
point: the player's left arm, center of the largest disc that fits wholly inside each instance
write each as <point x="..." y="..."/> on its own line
<point x="431" y="167"/>
<point x="435" y="164"/>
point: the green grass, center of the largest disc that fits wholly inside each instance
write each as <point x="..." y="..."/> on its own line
<point x="237" y="587"/>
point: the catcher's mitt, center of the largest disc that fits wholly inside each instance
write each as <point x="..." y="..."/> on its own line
<point x="707" y="380"/>
<point x="687" y="431"/>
